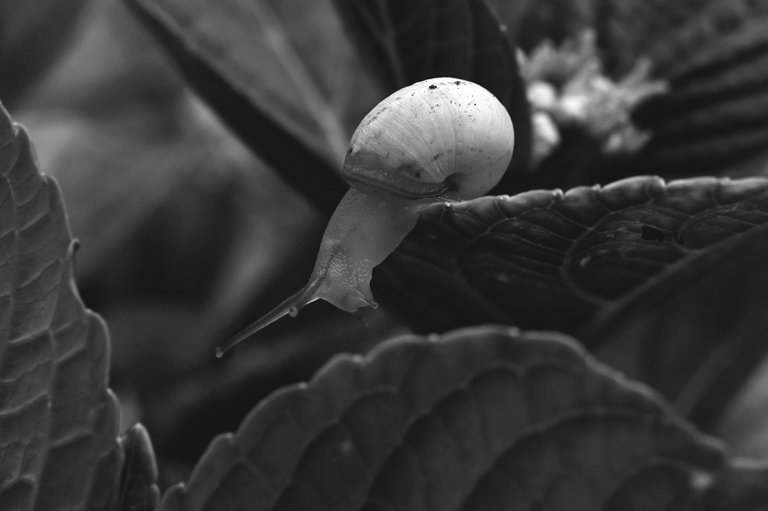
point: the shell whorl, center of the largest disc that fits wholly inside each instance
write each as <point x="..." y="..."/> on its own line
<point x="439" y="137"/>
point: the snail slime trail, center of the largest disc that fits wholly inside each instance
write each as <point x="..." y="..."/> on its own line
<point x="438" y="139"/>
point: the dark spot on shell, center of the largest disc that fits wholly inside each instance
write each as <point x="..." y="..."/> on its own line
<point x="457" y="82"/>
<point x="432" y="87"/>
<point x="349" y="150"/>
<point x="437" y="156"/>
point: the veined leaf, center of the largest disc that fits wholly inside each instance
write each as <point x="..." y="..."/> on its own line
<point x="58" y="423"/>
<point x="548" y="259"/>
<point x="484" y="418"/>
<point x="627" y="28"/>
<point x="600" y="262"/>
<point x="406" y="41"/>
<point x="713" y="118"/>
<point x="138" y="480"/>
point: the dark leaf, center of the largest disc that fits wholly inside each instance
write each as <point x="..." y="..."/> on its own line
<point x="628" y="29"/>
<point x="138" y="480"/>
<point x="714" y="117"/>
<point x="291" y="90"/>
<point x="58" y="422"/>
<point x="117" y="172"/>
<point x="408" y="41"/>
<point x="548" y="259"/>
<point x="484" y="418"/>
<point x="743" y="487"/>
<point x="32" y="35"/>
<point x="742" y="425"/>
<point x="533" y="21"/>
<point x="698" y="337"/>
<point x="601" y="263"/>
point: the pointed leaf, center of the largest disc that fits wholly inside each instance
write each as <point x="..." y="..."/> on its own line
<point x="289" y="88"/>
<point x="57" y="419"/>
<point x="482" y="418"/>
<point x="408" y="41"/>
<point x="138" y="481"/>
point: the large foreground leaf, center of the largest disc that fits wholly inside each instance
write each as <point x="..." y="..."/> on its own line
<point x="548" y="259"/>
<point x="58" y="421"/>
<point x="485" y="418"/>
<point x="405" y="41"/>
<point x="600" y="262"/>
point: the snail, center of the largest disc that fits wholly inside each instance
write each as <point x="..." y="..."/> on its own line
<point x="440" y="139"/>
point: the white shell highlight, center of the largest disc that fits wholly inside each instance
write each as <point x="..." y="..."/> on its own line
<point x="437" y="136"/>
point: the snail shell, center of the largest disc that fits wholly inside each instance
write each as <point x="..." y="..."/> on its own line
<point x="442" y="137"/>
<point x="438" y="139"/>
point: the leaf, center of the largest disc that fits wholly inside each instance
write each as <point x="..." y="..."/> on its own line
<point x="713" y="118"/>
<point x="138" y="480"/>
<point x="32" y="34"/>
<point x="604" y="264"/>
<point x="548" y="259"/>
<point x="407" y="41"/>
<point x="483" y="418"/>
<point x="627" y="29"/>
<point x="698" y="338"/>
<point x="743" y="423"/>
<point x="57" y="418"/>
<point x="533" y="21"/>
<point x="289" y="89"/>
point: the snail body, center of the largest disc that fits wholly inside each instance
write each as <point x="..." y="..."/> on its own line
<point x="436" y="140"/>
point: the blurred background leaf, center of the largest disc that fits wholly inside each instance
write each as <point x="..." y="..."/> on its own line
<point x="713" y="56"/>
<point x="714" y="118"/>
<point x="531" y="22"/>
<point x="282" y="75"/>
<point x="32" y="36"/>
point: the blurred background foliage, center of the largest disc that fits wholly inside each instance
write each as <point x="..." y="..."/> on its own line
<point x="186" y="236"/>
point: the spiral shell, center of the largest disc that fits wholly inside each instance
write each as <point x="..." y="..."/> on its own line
<point x="441" y="137"/>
